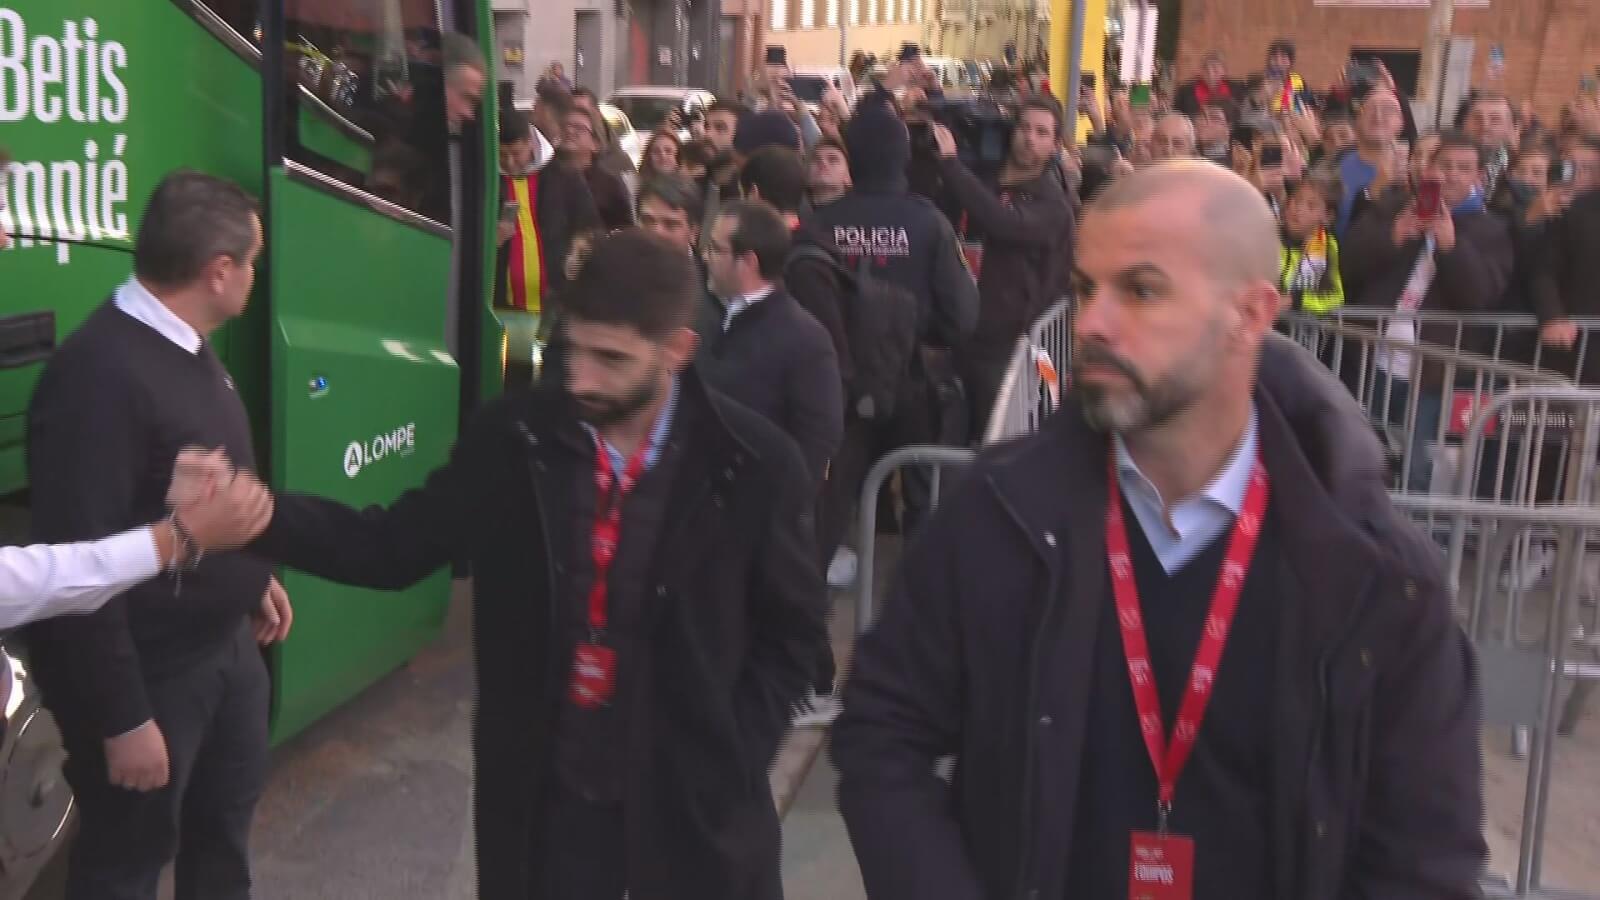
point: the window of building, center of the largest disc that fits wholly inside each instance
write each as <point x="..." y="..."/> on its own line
<point x="808" y="14"/>
<point x="872" y="12"/>
<point x="905" y="11"/>
<point x="855" y="12"/>
<point x="779" y="20"/>
<point x="833" y="14"/>
<point x="367" y="98"/>
<point x="1404" y="65"/>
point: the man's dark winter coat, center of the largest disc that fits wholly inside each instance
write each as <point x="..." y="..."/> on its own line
<point x="1026" y="230"/>
<point x="819" y="287"/>
<point x="908" y="240"/>
<point x="985" y="645"/>
<point x="776" y="359"/>
<point x="1566" y="278"/>
<point x="1472" y="278"/>
<point x="738" y="606"/>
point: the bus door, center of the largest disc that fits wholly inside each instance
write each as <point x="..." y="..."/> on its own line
<point x="364" y="392"/>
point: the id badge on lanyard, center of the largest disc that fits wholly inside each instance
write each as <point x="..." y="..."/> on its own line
<point x="1161" y="864"/>
<point x="593" y="681"/>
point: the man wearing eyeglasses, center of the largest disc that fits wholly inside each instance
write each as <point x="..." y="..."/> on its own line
<point x="580" y="148"/>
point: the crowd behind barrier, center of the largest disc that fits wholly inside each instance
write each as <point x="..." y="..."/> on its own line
<point x="1508" y="463"/>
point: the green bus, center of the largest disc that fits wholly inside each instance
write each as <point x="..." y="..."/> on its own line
<point x="370" y="333"/>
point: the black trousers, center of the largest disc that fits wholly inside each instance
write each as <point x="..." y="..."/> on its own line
<point x="982" y="373"/>
<point x="914" y="422"/>
<point x="214" y="719"/>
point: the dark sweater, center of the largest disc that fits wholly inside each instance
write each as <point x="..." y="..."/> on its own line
<point x="115" y="405"/>
<point x="1223" y="798"/>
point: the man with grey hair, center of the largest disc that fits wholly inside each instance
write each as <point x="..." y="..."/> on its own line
<point x="465" y="76"/>
<point x="1292" y="714"/>
<point x="1173" y="138"/>
<point x="161" y="694"/>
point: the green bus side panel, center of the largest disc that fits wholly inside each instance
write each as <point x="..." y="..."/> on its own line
<point x="365" y="402"/>
<point x="321" y="136"/>
<point x="86" y="162"/>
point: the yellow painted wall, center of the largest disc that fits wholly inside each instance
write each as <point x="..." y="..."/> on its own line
<point x="1094" y="48"/>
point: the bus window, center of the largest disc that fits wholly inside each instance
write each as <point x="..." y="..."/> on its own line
<point x="367" y="98"/>
<point x="240" y="15"/>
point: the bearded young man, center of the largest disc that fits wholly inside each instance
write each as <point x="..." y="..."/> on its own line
<point x="647" y="604"/>
<point x="1022" y="219"/>
<point x="1179" y="641"/>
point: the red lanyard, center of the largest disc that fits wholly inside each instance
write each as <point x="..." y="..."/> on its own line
<point x="609" y="494"/>
<point x="1169" y="758"/>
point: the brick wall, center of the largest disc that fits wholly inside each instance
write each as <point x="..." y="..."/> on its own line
<point x="1549" y="44"/>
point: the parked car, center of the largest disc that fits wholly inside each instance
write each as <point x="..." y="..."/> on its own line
<point x="954" y="75"/>
<point x="649" y="105"/>
<point x="36" y="806"/>
<point x="623" y="132"/>
<point x="811" y="83"/>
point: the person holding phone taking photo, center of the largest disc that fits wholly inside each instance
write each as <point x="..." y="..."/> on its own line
<point x="1435" y="247"/>
<point x="777" y="93"/>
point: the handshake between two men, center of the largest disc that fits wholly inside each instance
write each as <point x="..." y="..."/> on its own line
<point x="213" y="508"/>
<point x="217" y="507"/>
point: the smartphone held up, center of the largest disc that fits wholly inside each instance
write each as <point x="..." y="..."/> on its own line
<point x="1430" y="199"/>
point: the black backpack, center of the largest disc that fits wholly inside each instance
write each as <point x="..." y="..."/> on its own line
<point x="880" y="323"/>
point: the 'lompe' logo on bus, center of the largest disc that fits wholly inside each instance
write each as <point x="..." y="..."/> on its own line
<point x="359" y="455"/>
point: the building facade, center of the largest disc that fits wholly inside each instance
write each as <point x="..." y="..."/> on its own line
<point x="607" y="44"/>
<point x="990" y="29"/>
<point x="811" y="29"/>
<point x="1547" y="46"/>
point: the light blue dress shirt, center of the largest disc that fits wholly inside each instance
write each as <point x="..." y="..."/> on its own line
<point x="1195" y="521"/>
<point x="658" y="436"/>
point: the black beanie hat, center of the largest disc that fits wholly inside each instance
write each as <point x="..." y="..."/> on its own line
<point x="770" y="128"/>
<point x="877" y="141"/>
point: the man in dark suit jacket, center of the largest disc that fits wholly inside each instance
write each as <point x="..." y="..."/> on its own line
<point x="767" y="352"/>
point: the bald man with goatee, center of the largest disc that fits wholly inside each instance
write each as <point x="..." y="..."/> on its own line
<point x="1179" y="640"/>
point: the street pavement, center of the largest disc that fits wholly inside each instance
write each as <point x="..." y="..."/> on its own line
<point x="372" y="802"/>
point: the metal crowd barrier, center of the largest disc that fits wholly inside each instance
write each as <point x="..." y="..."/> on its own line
<point x="1036" y="377"/>
<point x="1492" y="453"/>
<point x="1523" y="675"/>
<point x="1509" y="337"/>
<point x="938" y="459"/>
<point x="1421" y="397"/>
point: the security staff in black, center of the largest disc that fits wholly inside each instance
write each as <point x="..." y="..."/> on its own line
<point x="646" y="604"/>
<point x="162" y="694"/>
<point x="907" y="242"/>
